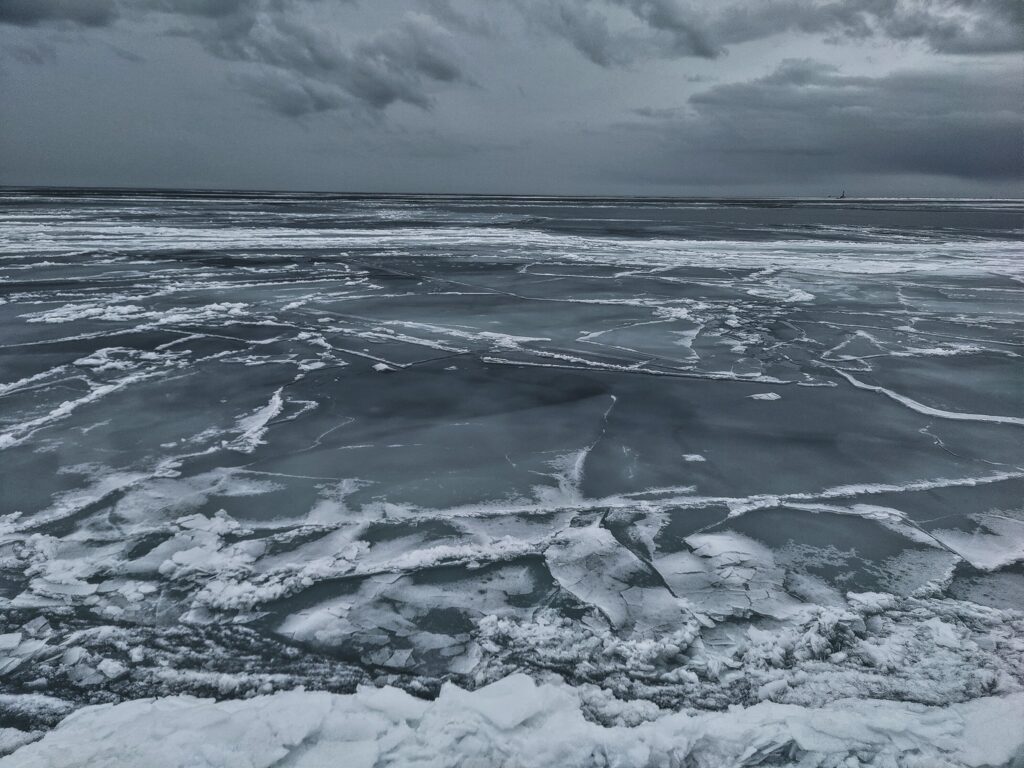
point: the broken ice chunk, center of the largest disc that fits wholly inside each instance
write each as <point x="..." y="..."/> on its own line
<point x="593" y="566"/>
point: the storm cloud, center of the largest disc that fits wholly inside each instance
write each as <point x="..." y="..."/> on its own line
<point x="673" y="28"/>
<point x="299" y="67"/>
<point x="527" y="95"/>
<point x="90" y="13"/>
<point x="808" y="120"/>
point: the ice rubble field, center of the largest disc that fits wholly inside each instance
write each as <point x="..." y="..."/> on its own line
<point x="285" y="478"/>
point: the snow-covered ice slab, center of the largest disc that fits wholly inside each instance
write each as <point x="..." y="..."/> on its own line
<point x="518" y="722"/>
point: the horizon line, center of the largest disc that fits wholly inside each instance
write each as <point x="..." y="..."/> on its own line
<point x="550" y="195"/>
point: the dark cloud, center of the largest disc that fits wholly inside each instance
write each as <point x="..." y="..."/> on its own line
<point x="587" y="30"/>
<point x="807" y="120"/>
<point x="28" y="13"/>
<point x="684" y="27"/>
<point x="666" y="29"/>
<point x="947" y="26"/>
<point x="675" y="28"/>
<point x="291" y="96"/>
<point x="416" y="49"/>
<point x="298" y="67"/>
<point x="294" y="65"/>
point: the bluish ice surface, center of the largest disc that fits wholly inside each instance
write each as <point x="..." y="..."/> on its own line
<point x="681" y="454"/>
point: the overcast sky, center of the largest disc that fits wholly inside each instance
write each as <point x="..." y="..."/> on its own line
<point x="655" y="97"/>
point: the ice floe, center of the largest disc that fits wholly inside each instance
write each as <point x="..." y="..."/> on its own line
<point x="517" y="721"/>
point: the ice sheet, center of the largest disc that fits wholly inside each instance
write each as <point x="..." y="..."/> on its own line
<point x="664" y="457"/>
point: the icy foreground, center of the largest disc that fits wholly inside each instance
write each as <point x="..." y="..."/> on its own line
<point x="515" y="722"/>
<point x="703" y="468"/>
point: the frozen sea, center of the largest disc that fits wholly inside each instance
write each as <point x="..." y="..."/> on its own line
<point x="309" y="480"/>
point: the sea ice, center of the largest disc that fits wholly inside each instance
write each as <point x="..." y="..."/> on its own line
<point x="516" y="721"/>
